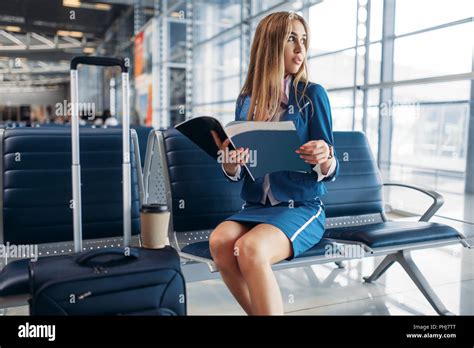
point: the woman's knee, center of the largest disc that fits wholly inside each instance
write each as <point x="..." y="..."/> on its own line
<point x="250" y="253"/>
<point x="221" y="242"/>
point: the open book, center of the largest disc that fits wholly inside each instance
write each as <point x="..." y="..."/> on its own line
<point x="272" y="145"/>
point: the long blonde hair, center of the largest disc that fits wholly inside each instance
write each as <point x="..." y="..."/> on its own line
<point x="267" y="65"/>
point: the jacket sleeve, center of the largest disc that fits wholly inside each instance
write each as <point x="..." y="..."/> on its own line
<point x="241" y="172"/>
<point x="320" y="124"/>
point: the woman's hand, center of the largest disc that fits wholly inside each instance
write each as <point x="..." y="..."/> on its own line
<point x="314" y="152"/>
<point x="231" y="160"/>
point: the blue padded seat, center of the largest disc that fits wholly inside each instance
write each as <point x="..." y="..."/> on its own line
<point x="392" y="233"/>
<point x="208" y="198"/>
<point x="357" y="189"/>
<point x="14" y="278"/>
<point x="202" y="197"/>
<point x="201" y="249"/>
<point x="37" y="185"/>
<point x="142" y="134"/>
<point x="37" y="191"/>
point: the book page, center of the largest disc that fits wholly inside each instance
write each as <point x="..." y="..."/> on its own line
<point x="238" y="127"/>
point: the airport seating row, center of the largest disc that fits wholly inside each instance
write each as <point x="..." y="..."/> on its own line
<point x="36" y="194"/>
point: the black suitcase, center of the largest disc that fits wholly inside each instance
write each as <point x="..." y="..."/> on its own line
<point x="111" y="281"/>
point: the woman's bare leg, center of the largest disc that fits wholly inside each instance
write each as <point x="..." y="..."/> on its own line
<point x="258" y="249"/>
<point x="221" y="243"/>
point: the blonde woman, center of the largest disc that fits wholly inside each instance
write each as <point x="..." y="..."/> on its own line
<point x="283" y="215"/>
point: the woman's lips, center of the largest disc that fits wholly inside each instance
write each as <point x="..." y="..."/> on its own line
<point x="297" y="61"/>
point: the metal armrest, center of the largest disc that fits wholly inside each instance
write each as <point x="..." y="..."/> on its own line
<point x="438" y="199"/>
<point x="467" y="242"/>
<point x="212" y="266"/>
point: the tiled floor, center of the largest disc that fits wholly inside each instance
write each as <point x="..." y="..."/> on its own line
<point x="327" y="290"/>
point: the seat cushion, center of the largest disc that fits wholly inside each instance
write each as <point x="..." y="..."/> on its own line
<point x="14" y="278"/>
<point x="393" y="233"/>
<point x="201" y="249"/>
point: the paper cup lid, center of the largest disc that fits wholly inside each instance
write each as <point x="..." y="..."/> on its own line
<point x="154" y="208"/>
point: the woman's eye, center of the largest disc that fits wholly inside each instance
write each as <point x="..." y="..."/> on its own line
<point x="291" y="38"/>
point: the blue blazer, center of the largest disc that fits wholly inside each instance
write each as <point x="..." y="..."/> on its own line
<point x="312" y="122"/>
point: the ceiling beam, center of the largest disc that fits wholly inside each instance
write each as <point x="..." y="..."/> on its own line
<point x="47" y="55"/>
<point x="145" y="3"/>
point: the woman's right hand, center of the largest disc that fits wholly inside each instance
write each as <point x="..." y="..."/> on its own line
<point x="231" y="159"/>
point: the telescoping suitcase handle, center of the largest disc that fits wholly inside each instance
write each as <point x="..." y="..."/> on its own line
<point x="76" y="166"/>
<point x="99" y="61"/>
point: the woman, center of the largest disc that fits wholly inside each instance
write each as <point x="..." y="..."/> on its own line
<point x="283" y="215"/>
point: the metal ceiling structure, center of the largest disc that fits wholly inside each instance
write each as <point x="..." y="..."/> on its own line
<point x="39" y="37"/>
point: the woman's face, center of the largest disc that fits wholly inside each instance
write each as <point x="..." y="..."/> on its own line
<point x="295" y="50"/>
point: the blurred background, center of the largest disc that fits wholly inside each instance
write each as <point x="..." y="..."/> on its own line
<point x="399" y="70"/>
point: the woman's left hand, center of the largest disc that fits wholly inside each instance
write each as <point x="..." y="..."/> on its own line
<point x="314" y="152"/>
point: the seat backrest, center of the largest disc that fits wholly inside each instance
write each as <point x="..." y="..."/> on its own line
<point x="37" y="191"/>
<point x="202" y="198"/>
<point x="201" y="195"/>
<point x="357" y="189"/>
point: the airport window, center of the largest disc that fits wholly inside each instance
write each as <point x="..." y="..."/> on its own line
<point x="216" y="67"/>
<point x="430" y="130"/>
<point x="412" y="15"/>
<point x="213" y="17"/>
<point x="434" y="53"/>
<point x="342" y="109"/>
<point x="333" y="70"/>
<point x="376" y="20"/>
<point x="261" y="6"/>
<point x="332" y="29"/>
<point x="375" y="62"/>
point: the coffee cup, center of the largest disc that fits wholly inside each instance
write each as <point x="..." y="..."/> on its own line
<point x="154" y="220"/>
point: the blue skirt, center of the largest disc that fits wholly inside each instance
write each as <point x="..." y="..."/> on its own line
<point x="303" y="223"/>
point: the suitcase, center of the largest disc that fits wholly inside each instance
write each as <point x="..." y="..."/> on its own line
<point x="112" y="281"/>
